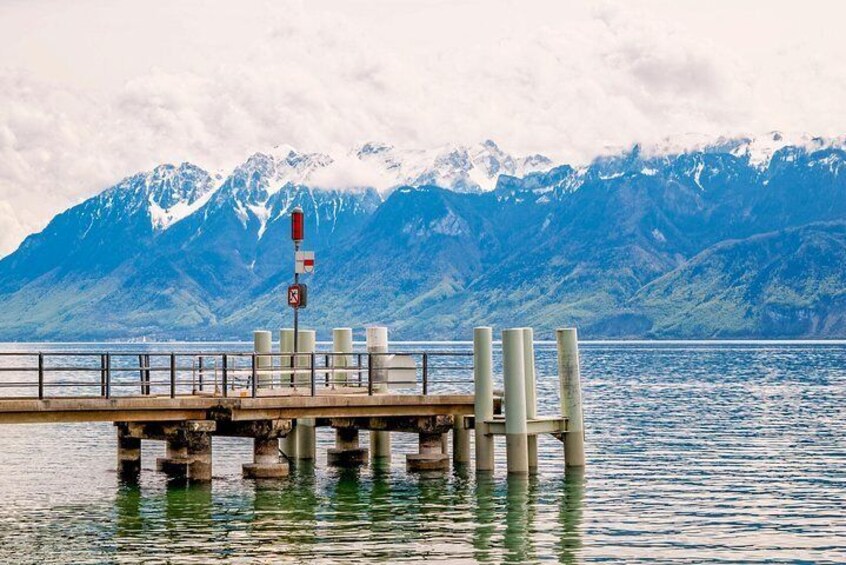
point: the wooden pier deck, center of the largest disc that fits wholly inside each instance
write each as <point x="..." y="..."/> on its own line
<point x="287" y="404"/>
<point x="280" y="399"/>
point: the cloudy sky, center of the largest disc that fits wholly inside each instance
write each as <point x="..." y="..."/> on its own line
<point x="93" y="91"/>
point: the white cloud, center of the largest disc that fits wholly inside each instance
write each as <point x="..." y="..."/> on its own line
<point x="91" y="92"/>
<point x="348" y="172"/>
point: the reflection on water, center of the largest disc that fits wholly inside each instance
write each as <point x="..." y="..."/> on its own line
<point x="697" y="454"/>
<point x="344" y="519"/>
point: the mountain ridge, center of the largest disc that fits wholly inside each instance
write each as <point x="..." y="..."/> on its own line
<point x="180" y="252"/>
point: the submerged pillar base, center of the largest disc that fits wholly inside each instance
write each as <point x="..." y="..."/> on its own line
<point x="189" y="456"/>
<point x="266" y="462"/>
<point x="128" y="456"/>
<point x="431" y="456"/>
<point x="346" y="452"/>
<point x="347" y="457"/>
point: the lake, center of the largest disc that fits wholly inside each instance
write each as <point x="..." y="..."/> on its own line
<point x="697" y="453"/>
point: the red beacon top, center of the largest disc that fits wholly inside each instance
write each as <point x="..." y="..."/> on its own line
<point x="297" y="225"/>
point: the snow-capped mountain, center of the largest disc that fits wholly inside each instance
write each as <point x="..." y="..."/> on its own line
<point x="179" y="252"/>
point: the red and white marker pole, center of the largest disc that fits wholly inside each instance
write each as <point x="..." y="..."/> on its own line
<point x="297" y="235"/>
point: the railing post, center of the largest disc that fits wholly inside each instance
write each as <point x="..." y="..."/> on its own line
<point x="225" y="374"/>
<point x="254" y="374"/>
<point x="108" y="375"/>
<point x="40" y="376"/>
<point x="313" y="376"/>
<point x="200" y="372"/>
<point x="370" y="374"/>
<point x="360" y="376"/>
<point x="326" y="364"/>
<point x="102" y="374"/>
<point x="147" y="374"/>
<point x="173" y="375"/>
<point x="141" y="371"/>
<point x="425" y="374"/>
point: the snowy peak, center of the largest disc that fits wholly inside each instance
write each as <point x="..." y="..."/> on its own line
<point x="460" y="168"/>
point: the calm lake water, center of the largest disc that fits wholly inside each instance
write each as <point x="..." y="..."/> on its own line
<point x="697" y="453"/>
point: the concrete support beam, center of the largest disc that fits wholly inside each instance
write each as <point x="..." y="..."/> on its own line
<point x="346" y="452"/>
<point x="460" y="443"/>
<point x="516" y="444"/>
<point x="377" y="342"/>
<point x="484" y="404"/>
<point x="531" y="395"/>
<point x="430" y="456"/>
<point x="128" y="455"/>
<point x="569" y="376"/>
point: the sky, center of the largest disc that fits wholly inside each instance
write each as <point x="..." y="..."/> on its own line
<point x="93" y="91"/>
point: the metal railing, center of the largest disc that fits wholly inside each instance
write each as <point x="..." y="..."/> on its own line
<point x="45" y="375"/>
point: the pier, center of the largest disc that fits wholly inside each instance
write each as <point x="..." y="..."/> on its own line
<point x="280" y="399"/>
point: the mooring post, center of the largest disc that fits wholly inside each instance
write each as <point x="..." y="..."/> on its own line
<point x="342" y="342"/>
<point x="460" y="442"/>
<point x="347" y="452"/>
<point x="307" y="434"/>
<point x="483" y="396"/>
<point x="377" y="343"/>
<point x="516" y="445"/>
<point x="531" y="394"/>
<point x="263" y="343"/>
<point x="286" y="345"/>
<point x="569" y="377"/>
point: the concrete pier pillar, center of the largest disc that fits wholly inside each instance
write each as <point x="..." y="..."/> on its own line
<point x="307" y="435"/>
<point x="346" y="452"/>
<point x="483" y="390"/>
<point x="430" y="457"/>
<point x="531" y="394"/>
<point x="569" y="376"/>
<point x="128" y="456"/>
<point x="460" y="443"/>
<point x="289" y="443"/>
<point x="266" y="462"/>
<point x="175" y="462"/>
<point x="199" y="457"/>
<point x="188" y="456"/>
<point x="263" y="343"/>
<point x="516" y="445"/>
<point x="377" y="342"/>
<point x="342" y="342"/>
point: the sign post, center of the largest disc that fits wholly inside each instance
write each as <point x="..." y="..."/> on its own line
<point x="303" y="263"/>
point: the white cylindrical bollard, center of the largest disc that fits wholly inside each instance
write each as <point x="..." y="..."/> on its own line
<point x="516" y="446"/>
<point x="342" y="342"/>
<point x="569" y="376"/>
<point x="460" y="442"/>
<point x="531" y="394"/>
<point x="483" y="396"/>
<point x="263" y="343"/>
<point x="377" y="342"/>
<point x="307" y="434"/>
<point x="286" y="345"/>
